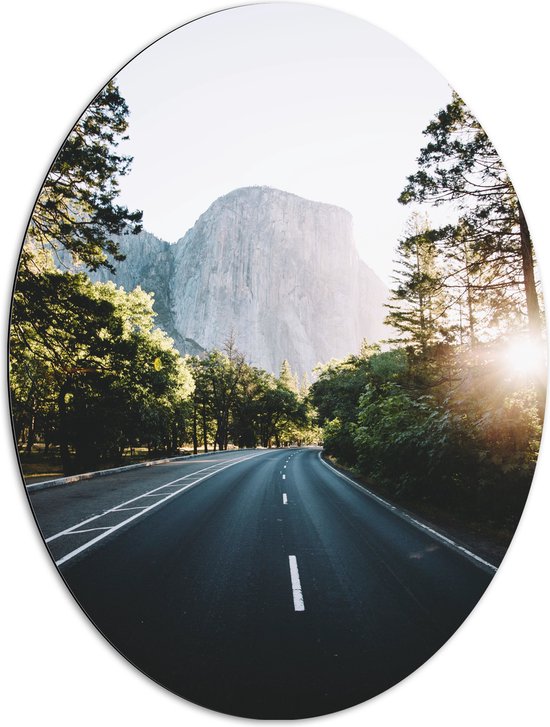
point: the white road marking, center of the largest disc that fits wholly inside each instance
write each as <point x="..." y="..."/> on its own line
<point x="284" y="467"/>
<point x="178" y="484"/>
<point x="284" y="477"/>
<point x="413" y="521"/>
<point x="296" y="585"/>
<point x="89" y="530"/>
<point x="119" y="509"/>
<point x="142" y="511"/>
<point x="134" y="499"/>
<point x="285" y="500"/>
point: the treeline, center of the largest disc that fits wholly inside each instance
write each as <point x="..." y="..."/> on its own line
<point x="90" y="375"/>
<point x="452" y="413"/>
<point x="234" y="402"/>
<point x="467" y="445"/>
<point x="88" y="372"/>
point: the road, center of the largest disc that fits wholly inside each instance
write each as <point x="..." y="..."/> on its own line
<point x="259" y="584"/>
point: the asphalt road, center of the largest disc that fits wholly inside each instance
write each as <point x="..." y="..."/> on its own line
<point x="271" y="589"/>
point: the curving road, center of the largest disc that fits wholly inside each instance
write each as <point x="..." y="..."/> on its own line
<point x="260" y="584"/>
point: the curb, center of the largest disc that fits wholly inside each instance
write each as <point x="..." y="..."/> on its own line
<point x="72" y="479"/>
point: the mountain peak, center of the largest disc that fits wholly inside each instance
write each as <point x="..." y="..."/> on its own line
<point x="279" y="271"/>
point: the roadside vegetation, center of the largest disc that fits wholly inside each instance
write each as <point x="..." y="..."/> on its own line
<point x="92" y="380"/>
<point x="448" y="413"/>
<point x="451" y="413"/>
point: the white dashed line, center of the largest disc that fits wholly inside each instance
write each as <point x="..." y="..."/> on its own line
<point x="284" y="477"/>
<point x="285" y="500"/>
<point x="296" y="585"/>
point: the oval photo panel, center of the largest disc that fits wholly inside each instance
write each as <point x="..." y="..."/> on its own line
<point x="276" y="361"/>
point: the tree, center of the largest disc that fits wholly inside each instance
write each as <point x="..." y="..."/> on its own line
<point x="217" y="387"/>
<point x="76" y="208"/>
<point x="65" y="331"/>
<point x="113" y="379"/>
<point x="287" y="378"/>
<point x="460" y="166"/>
<point x="335" y="396"/>
<point x="418" y="308"/>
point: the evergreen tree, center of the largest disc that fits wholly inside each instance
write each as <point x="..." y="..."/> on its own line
<point x="76" y="209"/>
<point x="460" y="166"/>
<point x="287" y="378"/>
<point x="418" y="309"/>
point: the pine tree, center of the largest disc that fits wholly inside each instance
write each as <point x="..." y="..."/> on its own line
<point x="460" y="166"/>
<point x="418" y="310"/>
<point x="288" y="378"/>
<point x="76" y="209"/>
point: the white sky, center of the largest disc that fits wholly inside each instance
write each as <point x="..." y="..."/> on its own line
<point x="301" y="98"/>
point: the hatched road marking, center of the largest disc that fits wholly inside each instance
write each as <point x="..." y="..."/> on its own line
<point x="142" y="510"/>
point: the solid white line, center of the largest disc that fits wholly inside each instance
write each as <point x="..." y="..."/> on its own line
<point x="87" y="545"/>
<point x="434" y="533"/>
<point x="296" y="585"/>
<point x="285" y="500"/>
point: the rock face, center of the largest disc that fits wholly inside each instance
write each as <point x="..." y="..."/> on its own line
<point x="280" y="272"/>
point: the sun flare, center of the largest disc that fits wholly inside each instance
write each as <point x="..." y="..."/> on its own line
<point x="522" y="356"/>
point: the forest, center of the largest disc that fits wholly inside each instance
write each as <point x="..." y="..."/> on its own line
<point x="448" y="410"/>
<point x="451" y="412"/>
<point x="91" y="377"/>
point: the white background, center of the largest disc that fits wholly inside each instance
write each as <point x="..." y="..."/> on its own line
<point x="58" y="671"/>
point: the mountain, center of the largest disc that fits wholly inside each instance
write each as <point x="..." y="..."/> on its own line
<point x="280" y="272"/>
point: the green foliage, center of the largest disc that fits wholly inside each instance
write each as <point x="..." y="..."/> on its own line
<point x="467" y="443"/>
<point x="287" y="378"/>
<point x="412" y="445"/>
<point x="89" y="371"/>
<point x="388" y="366"/>
<point x="76" y="208"/>
<point x="459" y="167"/>
<point x="335" y="396"/>
<point x="338" y="440"/>
<point x="442" y="417"/>
<point x="238" y="403"/>
<point x="418" y="308"/>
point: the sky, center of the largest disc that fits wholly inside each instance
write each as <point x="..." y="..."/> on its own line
<point x="304" y="99"/>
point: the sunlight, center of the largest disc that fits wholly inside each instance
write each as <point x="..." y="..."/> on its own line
<point x="522" y="356"/>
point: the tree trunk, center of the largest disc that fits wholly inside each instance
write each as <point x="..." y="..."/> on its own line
<point x="533" y="308"/>
<point x="63" y="434"/>
<point x="204" y="428"/>
<point x="30" y="435"/>
<point x="194" y="434"/>
<point x="471" y="320"/>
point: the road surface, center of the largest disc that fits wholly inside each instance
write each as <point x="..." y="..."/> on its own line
<point x="259" y="584"/>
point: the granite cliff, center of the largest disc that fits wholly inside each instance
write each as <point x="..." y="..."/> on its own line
<point x="279" y="271"/>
